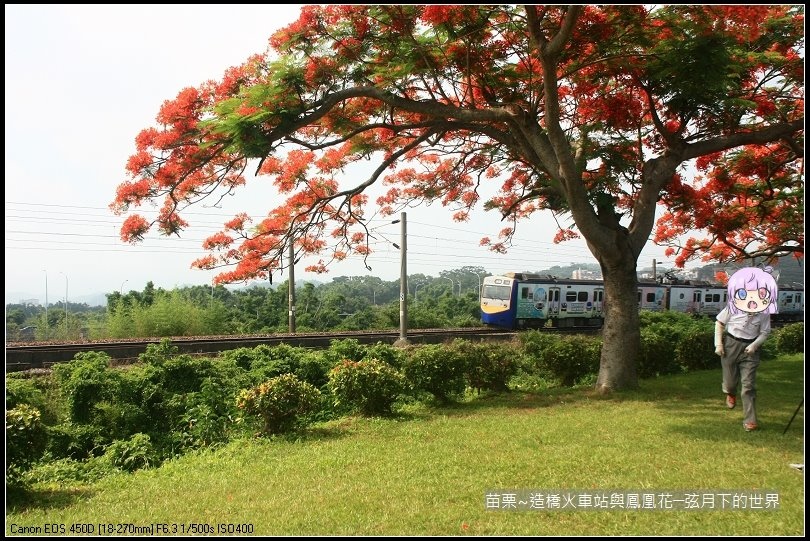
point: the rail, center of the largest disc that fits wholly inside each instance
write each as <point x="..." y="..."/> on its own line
<point x="27" y="356"/>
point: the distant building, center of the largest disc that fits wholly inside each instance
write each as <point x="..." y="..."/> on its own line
<point x="585" y="274"/>
<point x="29" y="302"/>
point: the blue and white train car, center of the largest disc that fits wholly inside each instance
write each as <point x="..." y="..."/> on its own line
<point x="651" y="296"/>
<point x="696" y="298"/>
<point x="523" y="300"/>
<point x="789" y="304"/>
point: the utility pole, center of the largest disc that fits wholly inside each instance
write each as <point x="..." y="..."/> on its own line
<point x="654" y="270"/>
<point x="403" y="282"/>
<point x="291" y="299"/>
<point x="46" y="302"/>
<point x="66" y="304"/>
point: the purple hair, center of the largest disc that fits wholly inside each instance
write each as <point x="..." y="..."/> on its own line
<point x="752" y="278"/>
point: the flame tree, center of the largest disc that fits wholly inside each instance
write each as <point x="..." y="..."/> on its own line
<point x="592" y="113"/>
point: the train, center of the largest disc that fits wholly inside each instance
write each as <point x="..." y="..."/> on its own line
<point x="520" y="300"/>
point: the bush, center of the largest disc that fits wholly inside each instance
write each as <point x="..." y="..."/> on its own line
<point x="75" y="441"/>
<point x="657" y="354"/>
<point x="314" y="368"/>
<point x="790" y="338"/>
<point x="281" y="402"/>
<point x="369" y="387"/>
<point x="85" y="381"/>
<point x="67" y="471"/>
<point x="695" y="351"/>
<point x="209" y="414"/>
<point x="243" y="357"/>
<point x="487" y="366"/>
<point x="438" y="370"/>
<point x="185" y="374"/>
<point x="28" y="391"/>
<point x="158" y="354"/>
<point x="348" y="349"/>
<point x="385" y="352"/>
<point x="26" y="440"/>
<point x="571" y="358"/>
<point x="132" y="454"/>
<point x="535" y="344"/>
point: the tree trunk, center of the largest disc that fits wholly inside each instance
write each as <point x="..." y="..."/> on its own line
<point x="621" y="335"/>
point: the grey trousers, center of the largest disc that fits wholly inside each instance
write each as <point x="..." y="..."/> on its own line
<point x="740" y="367"/>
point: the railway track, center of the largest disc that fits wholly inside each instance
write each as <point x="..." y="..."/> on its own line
<point x="20" y="356"/>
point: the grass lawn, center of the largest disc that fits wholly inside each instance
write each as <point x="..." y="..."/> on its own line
<point x="426" y="470"/>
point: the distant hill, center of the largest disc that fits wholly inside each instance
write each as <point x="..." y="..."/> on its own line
<point x="17" y="297"/>
<point x="789" y="270"/>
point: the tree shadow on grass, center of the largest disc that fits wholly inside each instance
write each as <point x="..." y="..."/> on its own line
<point x="693" y="400"/>
<point x="511" y="400"/>
<point x="697" y="402"/>
<point x="19" y="499"/>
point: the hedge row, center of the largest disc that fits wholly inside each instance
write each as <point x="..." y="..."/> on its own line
<point x="87" y="412"/>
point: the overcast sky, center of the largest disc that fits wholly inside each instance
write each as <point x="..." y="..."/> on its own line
<point x="82" y="81"/>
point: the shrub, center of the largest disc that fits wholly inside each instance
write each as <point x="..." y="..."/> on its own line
<point x="314" y="368"/>
<point x="369" y="387"/>
<point x="571" y="358"/>
<point x="348" y="349"/>
<point x="26" y="440"/>
<point x="131" y="454"/>
<point x="534" y="344"/>
<point x="185" y="374"/>
<point x="85" y="381"/>
<point x="243" y="357"/>
<point x="790" y="338"/>
<point x="385" y="352"/>
<point x="262" y="370"/>
<point x="158" y="354"/>
<point x="29" y="391"/>
<point x="67" y="471"/>
<point x="695" y="351"/>
<point x="281" y="402"/>
<point x="75" y="441"/>
<point x="487" y="366"/>
<point x="209" y="414"/>
<point x="438" y="370"/>
<point x="657" y="354"/>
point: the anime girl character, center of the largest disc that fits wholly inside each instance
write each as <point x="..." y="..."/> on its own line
<point x="741" y="329"/>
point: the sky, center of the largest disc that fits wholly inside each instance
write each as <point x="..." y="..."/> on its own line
<point x="82" y="81"/>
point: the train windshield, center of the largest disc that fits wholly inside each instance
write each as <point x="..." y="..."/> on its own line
<point x="501" y="293"/>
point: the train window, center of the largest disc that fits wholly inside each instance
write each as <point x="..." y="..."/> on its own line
<point x="682" y="296"/>
<point x="582" y="296"/>
<point x="501" y="293"/>
<point x="554" y="296"/>
<point x="570" y="296"/>
<point x="789" y="298"/>
<point x="524" y="292"/>
<point x="697" y="296"/>
<point x="597" y="296"/>
<point x="725" y="297"/>
<point x="650" y="297"/>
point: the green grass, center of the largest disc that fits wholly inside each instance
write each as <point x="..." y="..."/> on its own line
<point x="425" y="471"/>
